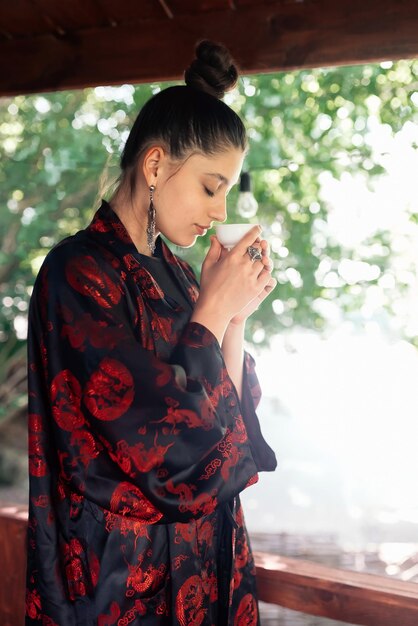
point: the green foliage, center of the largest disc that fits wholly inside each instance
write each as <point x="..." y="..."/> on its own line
<point x="55" y="147"/>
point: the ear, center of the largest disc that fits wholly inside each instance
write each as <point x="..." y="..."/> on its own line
<point x="154" y="160"/>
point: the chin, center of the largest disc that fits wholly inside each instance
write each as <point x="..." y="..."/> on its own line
<point x="184" y="243"/>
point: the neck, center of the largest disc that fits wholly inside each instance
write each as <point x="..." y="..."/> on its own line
<point x="135" y="219"/>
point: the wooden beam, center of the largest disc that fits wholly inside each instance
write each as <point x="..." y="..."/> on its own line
<point x="347" y="596"/>
<point x="266" y="37"/>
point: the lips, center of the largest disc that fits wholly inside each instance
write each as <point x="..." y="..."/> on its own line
<point x="202" y="229"/>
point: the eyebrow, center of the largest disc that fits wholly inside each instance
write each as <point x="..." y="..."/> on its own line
<point x="218" y="176"/>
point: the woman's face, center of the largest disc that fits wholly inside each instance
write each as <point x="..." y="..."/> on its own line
<point x="191" y="195"/>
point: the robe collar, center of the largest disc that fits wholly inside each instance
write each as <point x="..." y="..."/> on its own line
<point x="107" y="227"/>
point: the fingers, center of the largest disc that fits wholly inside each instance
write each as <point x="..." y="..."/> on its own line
<point x="265" y="251"/>
<point x="266" y="262"/>
<point x="268" y="288"/>
<point x="265" y="291"/>
<point x="264" y="272"/>
<point x="214" y="251"/>
<point x="235" y="274"/>
<point x="270" y="285"/>
<point x="263" y="246"/>
<point x="247" y="240"/>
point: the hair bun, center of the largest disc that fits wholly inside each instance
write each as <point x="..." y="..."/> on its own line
<point x="213" y="70"/>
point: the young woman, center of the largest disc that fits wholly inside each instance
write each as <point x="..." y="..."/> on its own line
<point x="142" y="425"/>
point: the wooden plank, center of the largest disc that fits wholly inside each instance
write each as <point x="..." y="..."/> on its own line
<point x="17" y="19"/>
<point x="241" y="3"/>
<point x="191" y="7"/>
<point x="65" y="17"/>
<point x="130" y="11"/>
<point x="13" y="524"/>
<point x="22" y="19"/>
<point x="353" y="597"/>
<point x="265" y="38"/>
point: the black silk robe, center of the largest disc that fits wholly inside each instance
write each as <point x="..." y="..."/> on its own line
<point x="138" y="447"/>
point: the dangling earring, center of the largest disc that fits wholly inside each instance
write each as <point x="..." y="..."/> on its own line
<point x="151" y="221"/>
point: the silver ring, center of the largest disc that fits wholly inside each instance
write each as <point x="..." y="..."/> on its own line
<point x="254" y="253"/>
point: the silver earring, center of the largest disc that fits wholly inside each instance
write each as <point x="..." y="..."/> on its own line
<point x="151" y="220"/>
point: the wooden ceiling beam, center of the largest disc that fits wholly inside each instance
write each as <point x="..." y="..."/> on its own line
<point x="268" y="37"/>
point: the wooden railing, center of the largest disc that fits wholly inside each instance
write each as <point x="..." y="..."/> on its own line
<point x="363" y="599"/>
<point x="353" y="597"/>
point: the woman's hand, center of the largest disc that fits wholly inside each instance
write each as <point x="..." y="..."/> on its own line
<point x="230" y="282"/>
<point x="252" y="306"/>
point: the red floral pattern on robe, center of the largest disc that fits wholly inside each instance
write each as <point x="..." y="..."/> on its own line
<point x="138" y="446"/>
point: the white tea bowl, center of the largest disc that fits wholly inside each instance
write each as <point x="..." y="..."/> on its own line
<point x="229" y="234"/>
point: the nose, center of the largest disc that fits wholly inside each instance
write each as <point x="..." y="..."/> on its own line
<point x="218" y="213"/>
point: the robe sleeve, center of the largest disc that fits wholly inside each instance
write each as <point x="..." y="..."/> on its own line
<point x="158" y="441"/>
<point x="264" y="457"/>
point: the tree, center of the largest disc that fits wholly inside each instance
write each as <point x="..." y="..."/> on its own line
<point x="55" y="148"/>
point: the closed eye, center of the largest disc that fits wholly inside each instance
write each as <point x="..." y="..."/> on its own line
<point x="209" y="192"/>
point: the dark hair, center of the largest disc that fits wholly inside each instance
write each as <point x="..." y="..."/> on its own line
<point x="191" y="117"/>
